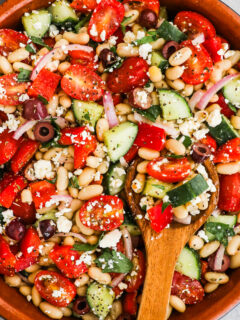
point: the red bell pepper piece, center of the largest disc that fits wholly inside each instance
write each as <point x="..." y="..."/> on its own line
<point x="150" y="137"/>
<point x="9" y="193"/>
<point x="82" y="151"/>
<point x="7" y="258"/>
<point x="8" y="146"/>
<point x="160" y="219"/>
<point x="30" y="244"/>
<point x="210" y="142"/>
<point x="44" y="85"/>
<point x="78" y="135"/>
<point x="225" y="110"/>
<point x="213" y="45"/>
<point x="42" y="192"/>
<point x="229" y="197"/>
<point x="131" y="154"/>
<point x="23" y="263"/>
<point x="229" y="151"/>
<point x="130" y="303"/>
<point x="23" y="210"/>
<point x="26" y="151"/>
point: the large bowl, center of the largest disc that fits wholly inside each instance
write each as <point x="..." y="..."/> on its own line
<point x="13" y="306"/>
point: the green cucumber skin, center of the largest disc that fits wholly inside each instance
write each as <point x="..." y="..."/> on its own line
<point x="187" y="191"/>
<point x="159" y="61"/>
<point x="223" y="132"/>
<point x="112" y="175"/>
<point x="83" y="110"/>
<point x="194" y="269"/>
<point x="63" y="14"/>
<point x="43" y="17"/>
<point x="155" y="188"/>
<point x="231" y="92"/>
<point x="227" y="219"/>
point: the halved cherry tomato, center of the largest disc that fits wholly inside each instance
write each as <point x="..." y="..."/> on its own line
<point x="169" y="170"/>
<point x="11" y="89"/>
<point x="84" y="5"/>
<point x="9" y="193"/>
<point x="210" y="142"/>
<point x="225" y="110"/>
<point x="30" y="244"/>
<point x="25" y="153"/>
<point x="130" y="303"/>
<point x="213" y="45"/>
<point x="82" y="151"/>
<point x="105" y="20"/>
<point x="10" y="40"/>
<point x="23" y="263"/>
<point x="135" y="280"/>
<point x="131" y="154"/>
<point x="42" y="192"/>
<point x="160" y="219"/>
<point x="229" y="197"/>
<point x="68" y="261"/>
<point x="7" y="258"/>
<point x="7" y="179"/>
<point x="44" y="85"/>
<point x="8" y="146"/>
<point x="193" y="23"/>
<point x="229" y="151"/>
<point x="140" y="5"/>
<point x="199" y="66"/>
<point x="150" y="137"/>
<point x="55" y="288"/>
<point x="78" y="135"/>
<point x="102" y="213"/>
<point x="204" y="269"/>
<point x="82" y="83"/>
<point x="83" y="58"/>
<point x="187" y="289"/>
<point x="23" y="210"/>
<point x="132" y="74"/>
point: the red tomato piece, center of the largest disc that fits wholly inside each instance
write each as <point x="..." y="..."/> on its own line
<point x="84" y="5"/>
<point x="78" y="135"/>
<point x="23" y="210"/>
<point x="7" y="179"/>
<point x="55" y="288"/>
<point x="134" y="282"/>
<point x="7" y="258"/>
<point x="44" y="85"/>
<point x="187" y="289"/>
<point x="23" y="263"/>
<point x="82" y="83"/>
<point x="140" y="5"/>
<point x="229" y="197"/>
<point x="213" y="45"/>
<point x="10" y="40"/>
<point x="49" y="41"/>
<point x="25" y="153"/>
<point x="204" y="269"/>
<point x="81" y="152"/>
<point x="11" y="89"/>
<point x="68" y="261"/>
<point x="8" y="146"/>
<point x="229" y="151"/>
<point x="130" y="303"/>
<point x="105" y="20"/>
<point x="131" y="154"/>
<point x="102" y="213"/>
<point x="199" y="66"/>
<point x="132" y="74"/>
<point x="225" y="110"/>
<point x="193" y="23"/>
<point x="30" y="244"/>
<point x="210" y="142"/>
<point x="160" y="219"/>
<point x="83" y="58"/>
<point x="42" y="192"/>
<point x="169" y="170"/>
<point x="9" y="193"/>
<point x="150" y="137"/>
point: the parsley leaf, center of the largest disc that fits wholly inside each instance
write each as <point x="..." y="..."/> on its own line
<point x="115" y="65"/>
<point x="221" y="231"/>
<point x="232" y="107"/>
<point x="2" y="209"/>
<point x="114" y="261"/>
<point x="73" y="182"/>
<point x="186" y="142"/>
<point x="30" y="48"/>
<point x="165" y="205"/>
<point x="124" y="23"/>
<point x="152" y="113"/>
<point x="82" y="22"/>
<point x="54" y="141"/>
<point x="158" y="186"/>
<point x="40" y="42"/>
<point x="24" y="75"/>
<point x="87" y="246"/>
<point x="41" y="98"/>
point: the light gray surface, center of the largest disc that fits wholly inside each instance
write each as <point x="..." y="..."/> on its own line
<point x="234" y="314"/>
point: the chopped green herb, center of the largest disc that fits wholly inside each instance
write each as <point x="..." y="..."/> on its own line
<point x="165" y="205"/>
<point x="40" y="42"/>
<point x="73" y="182"/>
<point x="114" y="261"/>
<point x="152" y="113"/>
<point x="82" y="22"/>
<point x="221" y="231"/>
<point x="187" y="142"/>
<point x="232" y="107"/>
<point x="87" y="247"/>
<point x="174" y="156"/>
<point x="124" y="23"/>
<point x="41" y="98"/>
<point x="115" y="65"/>
<point x="54" y="141"/>
<point x="1" y="215"/>
<point x="30" y="48"/>
<point x="87" y="116"/>
<point x="24" y="75"/>
<point x="53" y="181"/>
<point x="158" y="186"/>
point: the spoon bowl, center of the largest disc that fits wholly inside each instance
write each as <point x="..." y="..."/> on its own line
<point x="163" y="249"/>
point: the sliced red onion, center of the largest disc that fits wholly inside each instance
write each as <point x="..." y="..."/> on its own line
<point x="24" y="128"/>
<point x="186" y="220"/>
<point x="196" y="97"/>
<point x="168" y="129"/>
<point x="198" y="39"/>
<point x="123" y="162"/>
<point x="71" y="234"/>
<point x="219" y="258"/>
<point x="214" y="89"/>
<point x="61" y="122"/>
<point x="110" y="109"/>
<point x="59" y="198"/>
<point x="47" y="57"/>
<point x="117" y="280"/>
<point x="24" y="279"/>
<point x="127" y="243"/>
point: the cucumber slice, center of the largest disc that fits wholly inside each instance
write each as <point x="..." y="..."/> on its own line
<point x="173" y="105"/>
<point x="119" y="139"/>
<point x="63" y="14"/>
<point x="130" y="224"/>
<point x="187" y="191"/>
<point x="100" y="299"/>
<point x="49" y="215"/>
<point x="87" y="112"/>
<point x="232" y="92"/>
<point x="223" y="132"/>
<point x="37" y="23"/>
<point x="155" y="188"/>
<point x="226" y="219"/>
<point x="159" y="61"/>
<point x="115" y="179"/>
<point x="189" y="263"/>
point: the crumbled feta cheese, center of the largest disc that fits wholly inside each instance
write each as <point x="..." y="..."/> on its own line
<point x="203" y="235"/>
<point x="42" y="168"/>
<point x="7" y="216"/>
<point x="200" y="134"/>
<point x="63" y="224"/>
<point x="144" y="50"/>
<point x="112" y="41"/>
<point x="23" y="97"/>
<point x="12" y="123"/>
<point x="86" y="258"/>
<point x="93" y="31"/>
<point x="214" y="118"/>
<point x="110" y="239"/>
<point x="53" y="31"/>
<point x="122" y="286"/>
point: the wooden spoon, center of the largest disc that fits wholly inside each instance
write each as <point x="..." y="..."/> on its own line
<point x="163" y="249"/>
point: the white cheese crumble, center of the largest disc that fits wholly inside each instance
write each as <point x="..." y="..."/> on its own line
<point x="42" y="168"/>
<point x="214" y="118"/>
<point x="111" y="239"/>
<point x="144" y="50"/>
<point x="203" y="235"/>
<point x="63" y="224"/>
